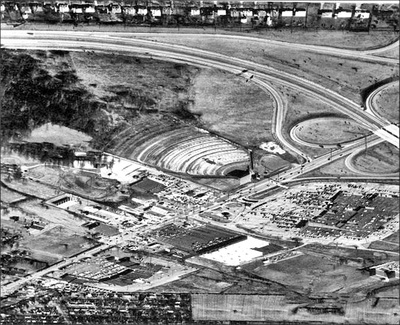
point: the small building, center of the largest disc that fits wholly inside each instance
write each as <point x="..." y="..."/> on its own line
<point x="287" y="13"/>
<point x="195" y="12"/>
<point x="299" y="13"/>
<point x="361" y="14"/>
<point x="221" y="12"/>
<point x="343" y="14"/>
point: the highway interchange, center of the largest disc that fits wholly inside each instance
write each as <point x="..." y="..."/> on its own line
<point x="264" y="77"/>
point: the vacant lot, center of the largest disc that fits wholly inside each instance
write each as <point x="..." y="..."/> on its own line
<point x="58" y="241"/>
<point x="31" y="188"/>
<point x="53" y="216"/>
<point x="390" y="243"/>
<point x="384" y="246"/>
<point x="386" y="103"/>
<point x="382" y="158"/>
<point x="309" y="273"/>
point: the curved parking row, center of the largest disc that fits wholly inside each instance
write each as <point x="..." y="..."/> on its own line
<point x="186" y="150"/>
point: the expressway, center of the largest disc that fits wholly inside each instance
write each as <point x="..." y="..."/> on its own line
<point x="265" y="77"/>
<point x="112" y="43"/>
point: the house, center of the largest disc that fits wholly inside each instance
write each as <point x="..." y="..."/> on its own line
<point x="142" y="11"/>
<point x="325" y="13"/>
<point x="26" y="10"/>
<point x="343" y="14"/>
<point x="287" y="13"/>
<point x="129" y="11"/>
<point x="195" y="12"/>
<point x="300" y="13"/>
<point x="116" y="9"/>
<point x="90" y="9"/>
<point x="248" y="12"/>
<point x="221" y="12"/>
<point x="156" y="12"/>
<point x="361" y="14"/>
<point x="63" y="7"/>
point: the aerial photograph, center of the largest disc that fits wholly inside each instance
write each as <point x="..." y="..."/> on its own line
<point x="199" y="162"/>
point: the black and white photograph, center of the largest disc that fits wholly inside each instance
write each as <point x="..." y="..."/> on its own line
<point x="187" y="162"/>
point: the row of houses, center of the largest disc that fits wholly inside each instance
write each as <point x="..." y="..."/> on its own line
<point x="209" y="12"/>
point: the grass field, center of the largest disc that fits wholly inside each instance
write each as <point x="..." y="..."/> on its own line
<point x="9" y="196"/>
<point x="334" y="169"/>
<point x="386" y="103"/>
<point x="346" y="76"/>
<point x="329" y="130"/>
<point x="390" y="243"/>
<point x="311" y="274"/>
<point x="385" y="246"/>
<point x="394" y="238"/>
<point x="233" y="108"/>
<point x="382" y="158"/>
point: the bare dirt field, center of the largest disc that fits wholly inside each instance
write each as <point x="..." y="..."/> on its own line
<point x="382" y="158"/>
<point x="57" y="134"/>
<point x="329" y="130"/>
<point x="386" y="103"/>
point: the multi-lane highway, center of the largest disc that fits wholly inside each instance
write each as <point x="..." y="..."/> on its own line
<point x="113" y="42"/>
<point x="263" y="76"/>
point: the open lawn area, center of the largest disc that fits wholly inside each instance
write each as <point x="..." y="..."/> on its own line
<point x="382" y="158"/>
<point x="346" y="76"/>
<point x="232" y="107"/>
<point x="386" y="103"/>
<point x="329" y="130"/>
<point x="9" y="196"/>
